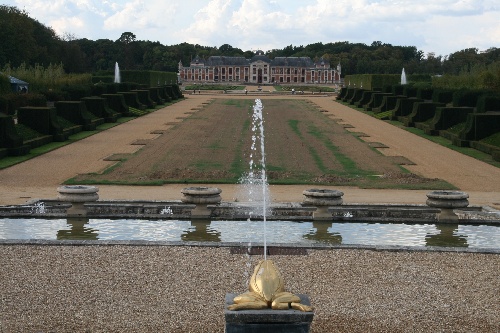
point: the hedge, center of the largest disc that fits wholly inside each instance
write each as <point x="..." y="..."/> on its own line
<point x="488" y="103"/>
<point x="10" y="102"/>
<point x="98" y="106"/>
<point x="404" y="106"/>
<point x="76" y="112"/>
<point x="442" y="96"/>
<point x="117" y="103"/>
<point x="480" y="125"/>
<point x="9" y="138"/>
<point x="467" y="97"/>
<point x="145" y="98"/>
<point x="41" y="119"/>
<point x="132" y="99"/>
<point x="149" y="78"/>
<point x="372" y="81"/>
<point x="4" y="84"/>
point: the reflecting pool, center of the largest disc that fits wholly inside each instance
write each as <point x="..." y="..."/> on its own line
<point x="282" y="232"/>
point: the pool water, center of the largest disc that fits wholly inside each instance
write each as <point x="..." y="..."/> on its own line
<point x="282" y="232"/>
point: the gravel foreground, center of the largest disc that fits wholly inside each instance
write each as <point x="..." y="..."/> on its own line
<point x="182" y="289"/>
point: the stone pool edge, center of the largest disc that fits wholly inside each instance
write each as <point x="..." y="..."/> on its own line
<point x="388" y="248"/>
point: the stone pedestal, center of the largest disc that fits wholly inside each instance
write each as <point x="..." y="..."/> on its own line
<point x="202" y="197"/>
<point x="267" y="320"/>
<point x="322" y="199"/>
<point x="77" y="195"/>
<point x="447" y="201"/>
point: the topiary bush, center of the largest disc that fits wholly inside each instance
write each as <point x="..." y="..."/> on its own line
<point x="488" y="103"/>
<point x="10" y="102"/>
<point x="77" y="92"/>
<point x="4" y="85"/>
<point x="467" y="97"/>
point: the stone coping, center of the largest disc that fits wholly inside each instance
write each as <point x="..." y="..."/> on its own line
<point x="388" y="248"/>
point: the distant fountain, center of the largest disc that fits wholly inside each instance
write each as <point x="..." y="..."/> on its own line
<point x="117" y="73"/>
<point x="403" y="77"/>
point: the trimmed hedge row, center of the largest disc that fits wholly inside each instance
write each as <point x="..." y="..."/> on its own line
<point x="372" y="81"/>
<point x="149" y="78"/>
<point x="464" y="116"/>
<point x="40" y="124"/>
<point x="10" y="102"/>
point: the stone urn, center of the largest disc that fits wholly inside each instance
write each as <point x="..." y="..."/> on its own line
<point x="77" y="195"/>
<point x="322" y="199"/>
<point x="447" y="201"/>
<point x="201" y="197"/>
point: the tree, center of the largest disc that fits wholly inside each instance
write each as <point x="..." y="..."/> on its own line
<point x="127" y="38"/>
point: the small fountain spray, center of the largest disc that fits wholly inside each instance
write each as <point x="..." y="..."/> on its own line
<point x="117" y="73"/>
<point x="403" y="77"/>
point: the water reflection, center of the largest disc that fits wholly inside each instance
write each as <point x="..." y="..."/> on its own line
<point x="200" y="231"/>
<point x="322" y="233"/>
<point x="284" y="232"/>
<point x="447" y="236"/>
<point x="78" y="229"/>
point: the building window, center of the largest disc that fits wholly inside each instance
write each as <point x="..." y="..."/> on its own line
<point x="254" y="78"/>
<point x="230" y="71"/>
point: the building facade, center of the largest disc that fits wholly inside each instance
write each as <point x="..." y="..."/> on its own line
<point x="258" y="70"/>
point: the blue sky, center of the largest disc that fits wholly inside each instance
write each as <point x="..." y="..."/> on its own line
<point x="438" y="26"/>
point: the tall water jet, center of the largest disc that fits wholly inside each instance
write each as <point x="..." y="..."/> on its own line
<point x="403" y="77"/>
<point x="266" y="288"/>
<point x="117" y="73"/>
<point x="254" y="186"/>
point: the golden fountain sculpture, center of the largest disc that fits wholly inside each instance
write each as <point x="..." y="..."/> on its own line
<point x="267" y="290"/>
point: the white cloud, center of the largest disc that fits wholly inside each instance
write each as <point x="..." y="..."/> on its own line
<point x="443" y="26"/>
<point x="67" y="24"/>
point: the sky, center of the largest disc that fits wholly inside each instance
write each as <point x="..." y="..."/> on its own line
<point x="432" y="26"/>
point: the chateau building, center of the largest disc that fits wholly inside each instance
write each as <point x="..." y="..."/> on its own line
<point x="260" y="70"/>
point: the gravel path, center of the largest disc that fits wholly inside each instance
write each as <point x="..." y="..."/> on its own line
<point x="181" y="289"/>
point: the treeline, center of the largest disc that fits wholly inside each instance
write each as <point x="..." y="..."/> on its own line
<point x="26" y="41"/>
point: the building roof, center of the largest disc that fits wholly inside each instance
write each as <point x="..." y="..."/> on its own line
<point x="260" y="57"/>
<point x="221" y="60"/>
<point x="292" y="62"/>
<point x="14" y="80"/>
<point x="241" y="61"/>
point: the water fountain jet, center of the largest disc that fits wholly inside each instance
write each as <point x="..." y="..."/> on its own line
<point x="266" y="291"/>
<point x="403" y="77"/>
<point x="117" y="73"/>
